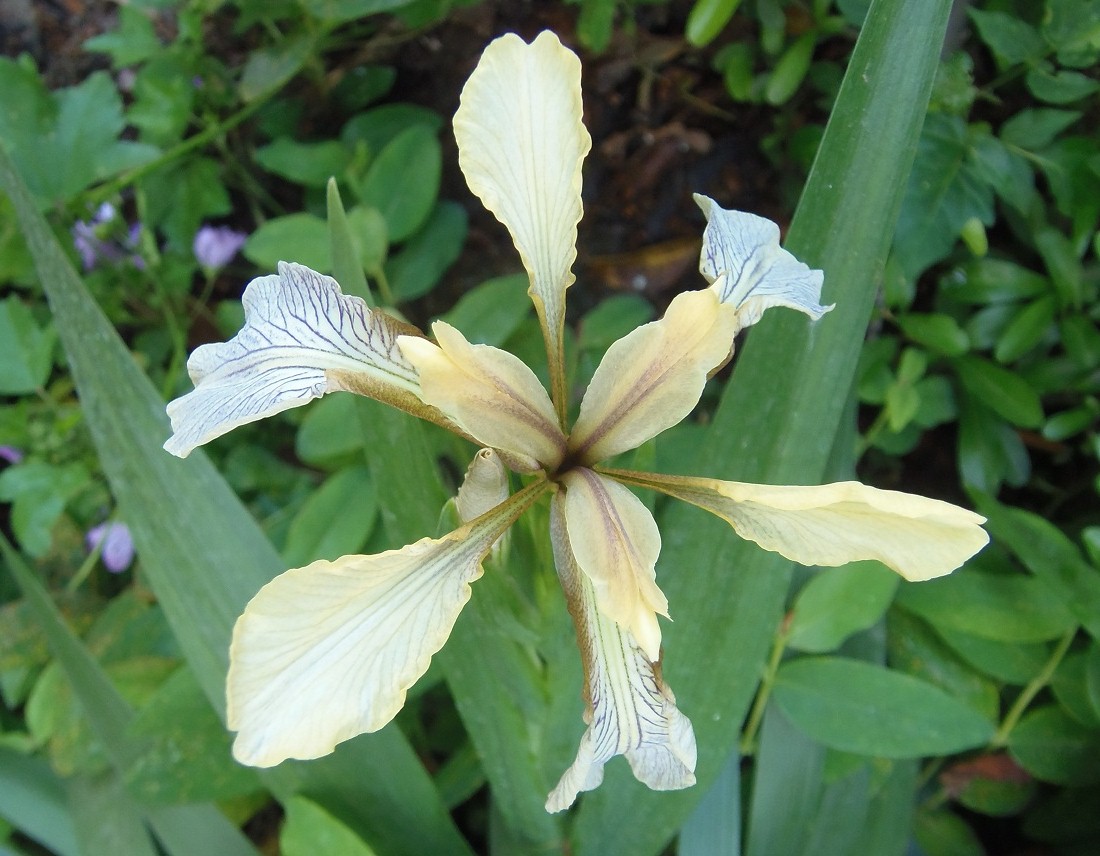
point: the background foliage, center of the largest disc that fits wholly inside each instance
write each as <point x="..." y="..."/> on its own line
<point x="839" y="711"/>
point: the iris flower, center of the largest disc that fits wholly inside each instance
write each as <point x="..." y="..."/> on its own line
<point x="325" y="652"/>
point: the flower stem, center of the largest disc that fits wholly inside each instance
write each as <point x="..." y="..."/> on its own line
<point x="1000" y="739"/>
<point x="756" y="715"/>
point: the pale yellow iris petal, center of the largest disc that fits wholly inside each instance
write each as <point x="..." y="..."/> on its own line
<point x="521" y="143"/>
<point x="629" y="709"/>
<point x="484" y="487"/>
<point x="328" y="651"/>
<point x="650" y="379"/>
<point x="490" y="394"/>
<point x="833" y="524"/>
<point x="616" y="543"/>
<point x="748" y="269"/>
<point x="301" y="336"/>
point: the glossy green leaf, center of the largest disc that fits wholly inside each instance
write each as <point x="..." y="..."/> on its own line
<point x="491" y="312"/>
<point x="838" y="602"/>
<point x="1003" y="607"/>
<point x="946" y="834"/>
<point x="707" y="18"/>
<point x="310" y="164"/>
<point x="1037" y="127"/>
<point x="336" y="520"/>
<point x="945" y="190"/>
<point x="309" y="830"/>
<point x="790" y="70"/>
<point x="189" y="528"/>
<point x="1011" y="662"/>
<point x="778" y="418"/>
<point x="858" y="707"/>
<point x="425" y="257"/>
<point x="935" y="331"/>
<point x="300" y="237"/>
<point x="26" y="349"/>
<point x="1070" y="684"/>
<point x="1010" y="38"/>
<point x="915" y="648"/>
<point x="403" y="181"/>
<point x="1026" y="330"/>
<point x="1055" y="748"/>
<point x="268" y="69"/>
<point x="329" y="435"/>
<point x="1003" y="391"/>
<point x="1050" y="555"/>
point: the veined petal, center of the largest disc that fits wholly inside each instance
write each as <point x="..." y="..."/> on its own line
<point x="302" y="337"/>
<point x="748" y="269"/>
<point x="489" y="393"/>
<point x="833" y="524"/>
<point x="328" y="651"/>
<point x="628" y="707"/>
<point x="651" y="378"/>
<point x="521" y="143"/>
<point x="616" y="543"/>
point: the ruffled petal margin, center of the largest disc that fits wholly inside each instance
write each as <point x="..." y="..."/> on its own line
<point x="521" y="143"/>
<point x="747" y="268"/>
<point x="326" y="652"/>
<point x="302" y="338"/>
<point x="833" y="524"/>
<point x="629" y="709"/>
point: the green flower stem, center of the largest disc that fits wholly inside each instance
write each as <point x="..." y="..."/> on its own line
<point x="756" y="715"/>
<point x="1000" y="739"/>
<point x="109" y="188"/>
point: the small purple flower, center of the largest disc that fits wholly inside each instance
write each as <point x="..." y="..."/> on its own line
<point x="93" y="241"/>
<point x="118" y="546"/>
<point x="215" y="246"/>
<point x="11" y="454"/>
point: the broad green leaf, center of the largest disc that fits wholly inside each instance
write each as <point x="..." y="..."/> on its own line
<point x="491" y="312"/>
<point x="1008" y="36"/>
<point x="1037" y="127"/>
<point x="338" y="11"/>
<point x="1053" y="747"/>
<point x="611" y="320"/>
<point x="1002" y="607"/>
<point x="1051" y="556"/>
<point x="596" y="23"/>
<point x="990" y="450"/>
<point x="778" y="418"/>
<point x="947" y="834"/>
<point x="993" y="280"/>
<point x="376" y="127"/>
<point x="1003" y="391"/>
<point x="1062" y="264"/>
<point x="1060" y="87"/>
<point x="301" y="237"/>
<point x="329" y="434"/>
<point x="33" y="800"/>
<point x="134" y="41"/>
<point x="916" y="649"/>
<point x="858" y="707"/>
<point x="190" y="528"/>
<point x="945" y="190"/>
<point x="309" y="164"/>
<point x="425" y="257"/>
<point x="403" y="181"/>
<point x="335" y="521"/>
<point x="838" y="602"/>
<point x="790" y="70"/>
<point x="267" y="69"/>
<point x="1070" y="684"/>
<point x="707" y="18"/>
<point x="1026" y="330"/>
<point x="935" y="331"/>
<point x="26" y="349"/>
<point x="309" y="830"/>
<point x="1010" y="662"/>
